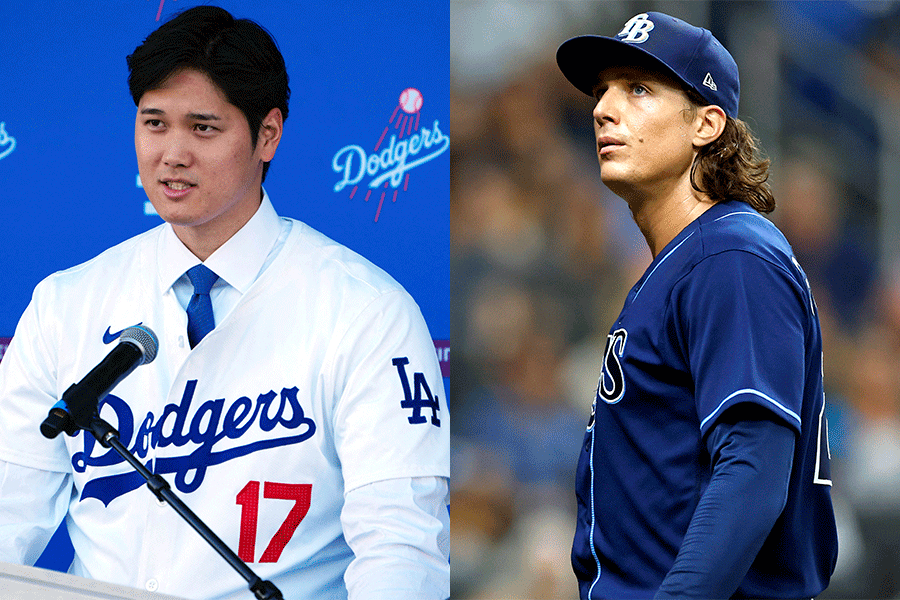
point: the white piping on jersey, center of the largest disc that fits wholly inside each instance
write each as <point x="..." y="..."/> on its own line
<point x="669" y="253"/>
<point x="783" y="408"/>
<point x="731" y="214"/>
<point x="752" y="214"/>
<point x="593" y="516"/>
<point x="661" y="261"/>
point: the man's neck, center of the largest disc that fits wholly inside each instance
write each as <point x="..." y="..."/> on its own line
<point x="204" y="239"/>
<point x="662" y="212"/>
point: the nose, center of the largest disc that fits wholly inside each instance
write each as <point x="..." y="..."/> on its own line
<point x="177" y="151"/>
<point x="607" y="107"/>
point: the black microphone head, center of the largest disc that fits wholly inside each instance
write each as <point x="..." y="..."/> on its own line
<point x="144" y="339"/>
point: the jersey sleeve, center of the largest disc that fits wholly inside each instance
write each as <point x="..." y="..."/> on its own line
<point x="35" y="473"/>
<point x="752" y="459"/>
<point x="32" y="505"/>
<point x="399" y="530"/>
<point x="29" y="388"/>
<point x="742" y="328"/>
<point x="391" y="416"/>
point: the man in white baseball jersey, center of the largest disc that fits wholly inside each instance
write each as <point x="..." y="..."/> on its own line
<point x="303" y="421"/>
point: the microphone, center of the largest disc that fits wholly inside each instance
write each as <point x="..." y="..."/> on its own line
<point x="137" y="346"/>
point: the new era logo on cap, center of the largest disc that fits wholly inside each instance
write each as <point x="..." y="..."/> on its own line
<point x="656" y="40"/>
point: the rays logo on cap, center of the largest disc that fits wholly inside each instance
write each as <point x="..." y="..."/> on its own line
<point x="637" y="29"/>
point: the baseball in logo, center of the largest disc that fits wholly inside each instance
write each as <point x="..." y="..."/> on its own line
<point x="410" y="145"/>
<point x="411" y="101"/>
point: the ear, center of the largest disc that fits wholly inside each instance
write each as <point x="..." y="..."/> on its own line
<point x="710" y="123"/>
<point x="270" y="134"/>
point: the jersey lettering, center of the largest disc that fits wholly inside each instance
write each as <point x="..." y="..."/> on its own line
<point x="416" y="401"/>
<point x="590" y="424"/>
<point x="637" y="29"/>
<point x="822" y="473"/>
<point x="212" y="422"/>
<point x="823" y="452"/>
<point x="611" y="386"/>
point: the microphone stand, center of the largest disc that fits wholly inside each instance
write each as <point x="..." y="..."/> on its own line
<point x="108" y="437"/>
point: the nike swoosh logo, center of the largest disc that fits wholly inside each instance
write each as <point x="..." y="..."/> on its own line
<point x="109" y="338"/>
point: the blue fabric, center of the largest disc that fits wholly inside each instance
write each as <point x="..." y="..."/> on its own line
<point x="747" y="492"/>
<point x="722" y="317"/>
<point x="199" y="310"/>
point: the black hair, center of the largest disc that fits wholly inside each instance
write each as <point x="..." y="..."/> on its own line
<point x="238" y="55"/>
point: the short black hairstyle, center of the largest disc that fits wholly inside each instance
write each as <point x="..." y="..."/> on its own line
<point x="238" y="55"/>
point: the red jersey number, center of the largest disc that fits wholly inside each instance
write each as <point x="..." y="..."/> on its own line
<point x="248" y="499"/>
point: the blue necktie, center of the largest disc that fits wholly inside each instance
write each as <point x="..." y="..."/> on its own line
<point x="199" y="309"/>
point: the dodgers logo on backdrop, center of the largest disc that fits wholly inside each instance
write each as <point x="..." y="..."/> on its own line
<point x="7" y="142"/>
<point x="274" y="419"/>
<point x="410" y="145"/>
<point x="637" y="29"/>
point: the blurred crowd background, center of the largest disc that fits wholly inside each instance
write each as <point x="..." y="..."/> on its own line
<point x="543" y="256"/>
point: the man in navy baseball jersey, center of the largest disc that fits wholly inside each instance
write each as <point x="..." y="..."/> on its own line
<point x="705" y="467"/>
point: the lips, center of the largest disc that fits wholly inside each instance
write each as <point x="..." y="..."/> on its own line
<point x="607" y="144"/>
<point x="176" y="188"/>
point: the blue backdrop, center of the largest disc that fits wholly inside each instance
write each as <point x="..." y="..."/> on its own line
<point x="364" y="157"/>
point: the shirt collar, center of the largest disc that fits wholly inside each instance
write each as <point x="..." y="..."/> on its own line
<point x="238" y="261"/>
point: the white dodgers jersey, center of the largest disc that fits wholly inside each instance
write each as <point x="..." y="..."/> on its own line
<point x="322" y="379"/>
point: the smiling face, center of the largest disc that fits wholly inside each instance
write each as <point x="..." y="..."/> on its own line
<point x="196" y="159"/>
<point x="645" y="130"/>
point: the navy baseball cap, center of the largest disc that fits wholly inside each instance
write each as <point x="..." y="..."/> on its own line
<point x="692" y="54"/>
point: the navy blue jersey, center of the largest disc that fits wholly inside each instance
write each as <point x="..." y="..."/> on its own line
<point x="722" y="316"/>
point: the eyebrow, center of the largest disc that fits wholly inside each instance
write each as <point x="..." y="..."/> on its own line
<point x="636" y="73"/>
<point x="193" y="116"/>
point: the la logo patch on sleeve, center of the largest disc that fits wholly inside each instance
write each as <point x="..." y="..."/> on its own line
<point x="417" y="396"/>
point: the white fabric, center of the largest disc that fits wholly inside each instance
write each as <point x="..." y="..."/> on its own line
<point x="407" y="555"/>
<point x="28" y="515"/>
<point x="317" y="377"/>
